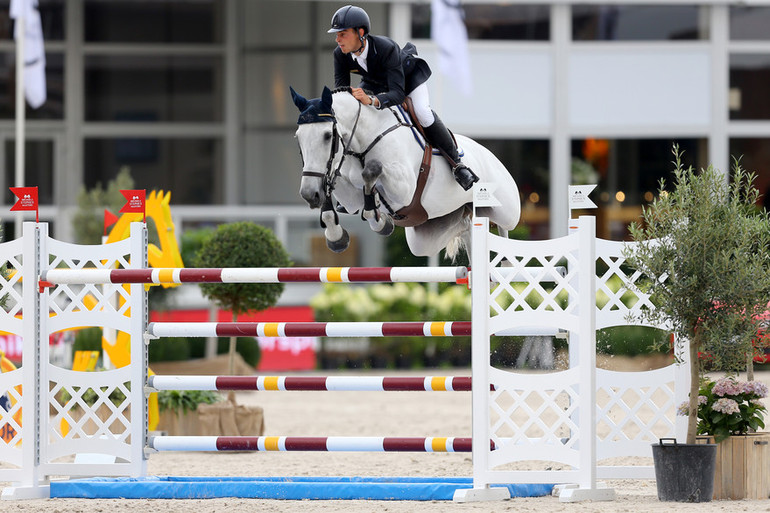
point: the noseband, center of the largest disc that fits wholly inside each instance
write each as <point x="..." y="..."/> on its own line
<point x="330" y="176"/>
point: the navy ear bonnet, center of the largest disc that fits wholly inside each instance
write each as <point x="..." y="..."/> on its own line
<point x="315" y="110"/>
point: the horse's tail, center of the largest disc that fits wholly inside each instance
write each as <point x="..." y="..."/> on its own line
<point x="461" y="240"/>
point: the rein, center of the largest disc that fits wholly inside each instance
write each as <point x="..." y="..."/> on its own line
<point x="361" y="156"/>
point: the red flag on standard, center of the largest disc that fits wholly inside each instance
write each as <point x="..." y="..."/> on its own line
<point x="26" y="199"/>
<point x="109" y="220"/>
<point x="135" y="199"/>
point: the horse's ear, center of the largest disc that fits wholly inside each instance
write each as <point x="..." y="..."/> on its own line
<point x="299" y="100"/>
<point x="326" y="98"/>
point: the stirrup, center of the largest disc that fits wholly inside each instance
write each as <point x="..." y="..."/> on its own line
<point x="464" y="176"/>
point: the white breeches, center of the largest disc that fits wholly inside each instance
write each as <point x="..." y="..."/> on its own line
<point x="421" y="102"/>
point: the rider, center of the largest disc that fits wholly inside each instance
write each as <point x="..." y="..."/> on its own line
<point x="391" y="73"/>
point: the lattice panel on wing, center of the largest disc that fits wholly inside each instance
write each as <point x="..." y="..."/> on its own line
<point x="89" y="297"/>
<point x="533" y="417"/>
<point x="524" y="281"/>
<point x="10" y="417"/>
<point x="89" y="408"/>
<point x="618" y="298"/>
<point x="633" y="411"/>
<point x="10" y="286"/>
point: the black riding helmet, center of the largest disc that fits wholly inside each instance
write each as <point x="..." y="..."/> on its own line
<point x="349" y="16"/>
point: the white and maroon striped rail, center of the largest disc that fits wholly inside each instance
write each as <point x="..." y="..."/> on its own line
<point x="309" y="329"/>
<point x="321" y="443"/>
<point x="314" y="383"/>
<point x="258" y="275"/>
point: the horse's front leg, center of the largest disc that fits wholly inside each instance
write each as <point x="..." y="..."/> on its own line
<point x="337" y="237"/>
<point x="378" y="222"/>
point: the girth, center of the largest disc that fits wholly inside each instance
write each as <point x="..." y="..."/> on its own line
<point x="414" y="213"/>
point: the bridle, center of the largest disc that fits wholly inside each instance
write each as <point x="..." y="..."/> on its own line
<point x="329" y="177"/>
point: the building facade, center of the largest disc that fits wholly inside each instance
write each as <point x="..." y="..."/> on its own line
<point x="192" y="96"/>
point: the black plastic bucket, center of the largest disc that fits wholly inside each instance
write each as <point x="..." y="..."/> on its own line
<point x="684" y="472"/>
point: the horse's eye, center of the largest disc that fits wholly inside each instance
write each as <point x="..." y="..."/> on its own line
<point x="327" y="136"/>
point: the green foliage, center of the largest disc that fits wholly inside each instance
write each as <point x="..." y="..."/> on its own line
<point x="632" y="341"/>
<point x="88" y="221"/>
<point x="728" y="407"/>
<point x="170" y="349"/>
<point x="192" y="242"/>
<point x="397" y="302"/>
<point x="247" y="347"/>
<point x="703" y="252"/>
<point x="709" y="266"/>
<point x="183" y="401"/>
<point x="243" y="244"/>
<point x="88" y="339"/>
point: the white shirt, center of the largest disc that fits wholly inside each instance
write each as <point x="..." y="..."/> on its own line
<point x="361" y="59"/>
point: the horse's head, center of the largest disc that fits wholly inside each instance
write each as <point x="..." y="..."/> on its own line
<point x="318" y="144"/>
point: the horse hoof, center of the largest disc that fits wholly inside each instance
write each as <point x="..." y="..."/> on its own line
<point x="388" y="228"/>
<point x="341" y="244"/>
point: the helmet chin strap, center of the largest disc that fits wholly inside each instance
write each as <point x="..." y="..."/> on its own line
<point x="361" y="40"/>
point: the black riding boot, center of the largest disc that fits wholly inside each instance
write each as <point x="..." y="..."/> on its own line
<point x="438" y="136"/>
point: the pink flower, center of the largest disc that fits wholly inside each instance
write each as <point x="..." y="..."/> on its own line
<point x="726" y="386"/>
<point x="726" y="406"/>
<point x="684" y="409"/>
<point x="756" y="388"/>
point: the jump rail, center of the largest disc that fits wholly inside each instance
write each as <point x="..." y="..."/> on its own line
<point x="322" y="444"/>
<point x="309" y="329"/>
<point x="258" y="275"/>
<point x="312" y="383"/>
<point x="287" y="275"/>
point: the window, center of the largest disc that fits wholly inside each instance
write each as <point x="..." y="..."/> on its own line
<point x="53" y="108"/>
<point x="749" y="23"/>
<point x="51" y="18"/>
<point x="190" y="168"/>
<point x="628" y="174"/>
<point x="38" y="168"/>
<point x="754" y="155"/>
<point x="493" y="21"/>
<point x="528" y="163"/>
<point x="153" y="88"/>
<point x="147" y="21"/>
<point x="749" y="83"/>
<point x="638" y="22"/>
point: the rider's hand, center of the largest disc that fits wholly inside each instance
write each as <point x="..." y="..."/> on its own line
<point x="361" y="96"/>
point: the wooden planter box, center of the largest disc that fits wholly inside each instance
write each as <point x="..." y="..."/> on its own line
<point x="219" y="419"/>
<point x="743" y="467"/>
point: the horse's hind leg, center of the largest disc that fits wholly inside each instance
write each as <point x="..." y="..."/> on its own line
<point x="378" y="222"/>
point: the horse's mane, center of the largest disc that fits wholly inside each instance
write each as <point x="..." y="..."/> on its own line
<point x="348" y="89"/>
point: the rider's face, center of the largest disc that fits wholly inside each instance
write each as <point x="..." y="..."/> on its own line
<point x="347" y="40"/>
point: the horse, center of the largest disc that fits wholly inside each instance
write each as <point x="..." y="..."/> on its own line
<point x="358" y="158"/>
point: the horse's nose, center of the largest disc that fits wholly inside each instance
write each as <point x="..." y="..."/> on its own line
<point x="312" y="197"/>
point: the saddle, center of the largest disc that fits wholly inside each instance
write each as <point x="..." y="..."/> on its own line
<point x="414" y="213"/>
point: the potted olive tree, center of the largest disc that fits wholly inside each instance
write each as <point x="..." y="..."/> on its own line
<point x="703" y="249"/>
